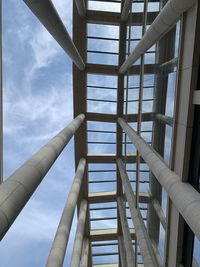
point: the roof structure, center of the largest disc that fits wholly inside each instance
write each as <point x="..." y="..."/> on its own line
<point x="136" y="135"/>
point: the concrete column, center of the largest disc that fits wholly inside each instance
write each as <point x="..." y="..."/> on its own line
<point x="159" y="212"/>
<point x="157" y="253"/>
<point x="161" y="25"/>
<point x="46" y="13"/>
<point x="78" y="243"/>
<point x="58" y="249"/>
<point x="196" y="97"/>
<point x="125" y="10"/>
<point x="169" y="64"/>
<point x="80" y="4"/>
<point x="122" y="252"/>
<point x="130" y="254"/>
<point x="164" y="119"/>
<point x="18" y="188"/>
<point x="184" y="197"/>
<point x="85" y="253"/>
<point x="143" y="239"/>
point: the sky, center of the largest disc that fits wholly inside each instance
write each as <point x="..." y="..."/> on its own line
<point x="37" y="88"/>
<point x="38" y="103"/>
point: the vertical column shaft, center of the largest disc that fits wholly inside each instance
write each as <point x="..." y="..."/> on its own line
<point x="45" y="11"/>
<point x="189" y="206"/>
<point x="85" y="253"/>
<point x="78" y="243"/>
<point x="18" y="188"/>
<point x="130" y="254"/>
<point x="125" y="10"/>
<point x="122" y="252"/>
<point x="161" y="25"/>
<point x="80" y="4"/>
<point x="58" y="249"/>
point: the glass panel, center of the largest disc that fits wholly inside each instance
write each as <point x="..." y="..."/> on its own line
<point x="104" y="6"/>
<point x="106" y="31"/>
<point x="196" y="253"/>
<point x="101" y="93"/>
<point x="98" y="146"/>
<point x="161" y="244"/>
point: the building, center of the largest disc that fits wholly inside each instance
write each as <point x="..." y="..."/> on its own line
<point x="136" y="127"/>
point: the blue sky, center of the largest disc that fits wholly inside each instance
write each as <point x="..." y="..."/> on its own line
<point x="37" y="84"/>
<point x="38" y="103"/>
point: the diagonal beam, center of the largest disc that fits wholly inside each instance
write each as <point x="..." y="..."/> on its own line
<point x="58" y="249"/>
<point x="189" y="207"/>
<point x="161" y="25"/>
<point x="19" y="187"/>
<point x="78" y="242"/>
<point x="46" y="13"/>
<point x="143" y="238"/>
<point x="130" y="254"/>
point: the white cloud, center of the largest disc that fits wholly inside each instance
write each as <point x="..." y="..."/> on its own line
<point x="45" y="49"/>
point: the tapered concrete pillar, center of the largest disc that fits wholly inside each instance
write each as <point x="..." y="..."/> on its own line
<point x="143" y="239"/>
<point x="78" y="243"/>
<point x="45" y="11"/>
<point x="58" y="249"/>
<point x="18" y="188"/>
<point x="184" y="197"/>
<point x="80" y="4"/>
<point x="161" y="25"/>
<point x="122" y="252"/>
<point x="125" y="10"/>
<point x="85" y="253"/>
<point x="130" y="254"/>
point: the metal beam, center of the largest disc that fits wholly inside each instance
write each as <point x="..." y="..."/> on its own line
<point x="108" y="159"/>
<point x="100" y="17"/>
<point x="114" y="18"/>
<point x="189" y="206"/>
<point x="150" y="116"/>
<point x="58" y="249"/>
<point x="102" y="69"/>
<point x="114" y="70"/>
<point x="161" y="25"/>
<point x="18" y="188"/>
<point x="100" y="197"/>
<point x="107" y="234"/>
<point x="48" y="16"/>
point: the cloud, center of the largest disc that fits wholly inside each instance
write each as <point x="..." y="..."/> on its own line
<point x="45" y="49"/>
<point x="37" y="105"/>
